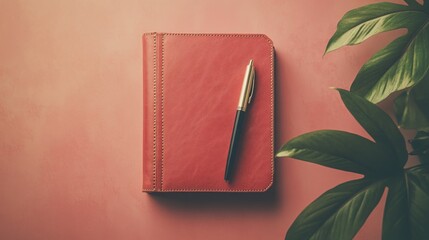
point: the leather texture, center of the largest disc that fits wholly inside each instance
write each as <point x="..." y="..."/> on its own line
<point x="191" y="86"/>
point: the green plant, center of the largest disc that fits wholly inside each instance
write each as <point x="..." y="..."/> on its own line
<point x="340" y="212"/>
<point x="403" y="65"/>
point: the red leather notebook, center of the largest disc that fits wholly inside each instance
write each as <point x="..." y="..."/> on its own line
<point x="191" y="86"/>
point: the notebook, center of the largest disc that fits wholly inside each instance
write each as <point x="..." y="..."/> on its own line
<point x="191" y="86"/>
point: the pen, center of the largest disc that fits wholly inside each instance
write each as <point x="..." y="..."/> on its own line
<point x="245" y="98"/>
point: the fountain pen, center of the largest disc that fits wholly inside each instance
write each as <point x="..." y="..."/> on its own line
<point x="245" y="98"/>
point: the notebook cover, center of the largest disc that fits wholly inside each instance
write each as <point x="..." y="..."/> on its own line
<point x="191" y="86"/>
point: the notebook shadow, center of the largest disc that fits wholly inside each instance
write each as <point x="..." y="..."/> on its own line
<point x="229" y="201"/>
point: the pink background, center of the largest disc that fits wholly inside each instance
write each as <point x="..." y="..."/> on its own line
<point x="71" y="117"/>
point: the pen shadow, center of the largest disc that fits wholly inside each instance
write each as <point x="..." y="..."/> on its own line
<point x="268" y="201"/>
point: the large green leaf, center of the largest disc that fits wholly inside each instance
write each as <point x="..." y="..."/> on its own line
<point x="407" y="209"/>
<point x="401" y="64"/>
<point x="339" y="150"/>
<point x="338" y="213"/>
<point x="412" y="106"/>
<point x="362" y="23"/>
<point x="379" y="125"/>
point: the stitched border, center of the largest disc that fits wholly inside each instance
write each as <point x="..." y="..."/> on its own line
<point x="271" y="51"/>
<point x="162" y="110"/>
<point x="154" y="110"/>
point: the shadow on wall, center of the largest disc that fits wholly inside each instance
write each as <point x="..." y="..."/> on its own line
<point x="266" y="201"/>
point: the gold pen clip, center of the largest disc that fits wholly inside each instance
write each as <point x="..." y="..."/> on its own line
<point x="253" y="84"/>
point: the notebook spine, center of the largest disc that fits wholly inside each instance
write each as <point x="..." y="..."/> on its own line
<point x="152" y="122"/>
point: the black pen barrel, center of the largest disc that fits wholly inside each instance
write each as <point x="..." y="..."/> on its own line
<point x="236" y="133"/>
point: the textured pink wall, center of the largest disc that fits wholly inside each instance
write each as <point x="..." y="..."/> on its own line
<point x="71" y="117"/>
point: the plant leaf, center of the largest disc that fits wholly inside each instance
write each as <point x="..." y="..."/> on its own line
<point x="338" y="213"/>
<point x="396" y="224"/>
<point x="407" y="209"/>
<point x="362" y="23"/>
<point x="408" y="112"/>
<point x="403" y="63"/>
<point x="412" y="106"/>
<point x="378" y="124"/>
<point x="420" y="145"/>
<point x="418" y="189"/>
<point x="339" y="150"/>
